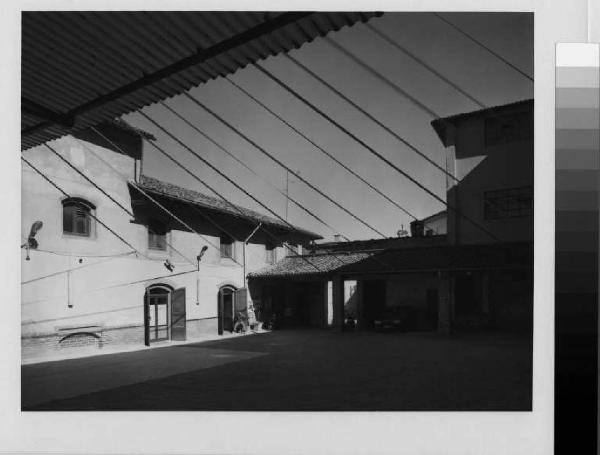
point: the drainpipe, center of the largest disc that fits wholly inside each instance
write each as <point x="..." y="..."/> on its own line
<point x="244" y="252"/>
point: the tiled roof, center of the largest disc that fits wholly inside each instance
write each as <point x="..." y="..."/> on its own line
<point x="308" y="264"/>
<point x="464" y="257"/>
<point x="170" y="190"/>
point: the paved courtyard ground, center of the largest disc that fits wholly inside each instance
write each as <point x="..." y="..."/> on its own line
<point x="294" y="370"/>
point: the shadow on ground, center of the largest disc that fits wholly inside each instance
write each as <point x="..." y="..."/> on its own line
<point x="310" y="370"/>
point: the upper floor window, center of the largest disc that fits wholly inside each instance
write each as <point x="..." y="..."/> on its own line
<point x="77" y="218"/>
<point x="504" y="129"/>
<point x="226" y="246"/>
<point x="508" y="203"/>
<point x="270" y="250"/>
<point x="157" y="236"/>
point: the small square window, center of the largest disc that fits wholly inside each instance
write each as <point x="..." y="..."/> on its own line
<point x="226" y="246"/>
<point x="157" y="236"/>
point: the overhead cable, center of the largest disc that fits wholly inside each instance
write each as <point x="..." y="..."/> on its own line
<point x="91" y="214"/>
<point x="95" y="185"/>
<point x="218" y="171"/>
<point x="295" y="174"/>
<point x="480" y="44"/>
<point x="371" y="149"/>
<point x="153" y="200"/>
<point x="223" y="149"/>
<point x="317" y="146"/>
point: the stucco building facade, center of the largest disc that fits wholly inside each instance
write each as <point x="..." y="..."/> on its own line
<point x="83" y="286"/>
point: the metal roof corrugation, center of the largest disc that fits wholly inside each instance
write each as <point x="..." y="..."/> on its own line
<point x="70" y="59"/>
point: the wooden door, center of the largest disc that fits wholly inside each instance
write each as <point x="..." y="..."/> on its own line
<point x="178" y="315"/>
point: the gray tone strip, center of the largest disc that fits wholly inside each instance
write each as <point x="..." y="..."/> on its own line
<point x="577" y="76"/>
<point x="577" y="159"/>
<point x="578" y="139"/>
<point x="577" y="97"/>
<point x="574" y="118"/>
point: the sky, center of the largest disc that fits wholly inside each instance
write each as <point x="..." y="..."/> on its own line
<point x="464" y="63"/>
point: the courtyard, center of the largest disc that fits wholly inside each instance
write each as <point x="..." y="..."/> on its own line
<point x="296" y="370"/>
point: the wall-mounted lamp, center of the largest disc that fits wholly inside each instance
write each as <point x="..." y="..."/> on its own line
<point x="31" y="241"/>
<point x="170" y="267"/>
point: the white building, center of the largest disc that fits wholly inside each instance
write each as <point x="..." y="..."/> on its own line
<point x="83" y="285"/>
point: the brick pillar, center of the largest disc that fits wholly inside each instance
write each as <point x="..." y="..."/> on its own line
<point x="445" y="304"/>
<point x="338" y="302"/>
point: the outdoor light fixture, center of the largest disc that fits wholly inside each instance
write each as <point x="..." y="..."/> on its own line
<point x="202" y="251"/>
<point x="170" y="267"/>
<point x="31" y="241"/>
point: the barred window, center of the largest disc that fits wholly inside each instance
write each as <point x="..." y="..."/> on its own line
<point x="504" y="129"/>
<point x="76" y="217"/>
<point x="508" y="203"/>
<point x="157" y="236"/>
<point x="226" y="246"/>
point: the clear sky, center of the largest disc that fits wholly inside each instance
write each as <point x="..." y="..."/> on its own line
<point x="473" y="69"/>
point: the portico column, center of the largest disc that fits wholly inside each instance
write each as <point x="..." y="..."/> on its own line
<point x="338" y="302"/>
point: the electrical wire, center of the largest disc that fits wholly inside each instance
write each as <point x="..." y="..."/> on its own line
<point x="229" y="180"/>
<point x="317" y="146"/>
<point x="420" y="61"/>
<point x="121" y="206"/>
<point x="198" y="179"/>
<point x="295" y="174"/>
<point x="79" y="294"/>
<point x="480" y="44"/>
<point x="150" y="198"/>
<point x="223" y="149"/>
<point x="371" y="149"/>
<point x="91" y="215"/>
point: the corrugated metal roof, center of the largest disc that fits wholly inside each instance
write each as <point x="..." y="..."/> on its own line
<point x="87" y="67"/>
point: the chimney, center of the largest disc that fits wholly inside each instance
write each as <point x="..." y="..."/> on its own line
<point x="417" y="229"/>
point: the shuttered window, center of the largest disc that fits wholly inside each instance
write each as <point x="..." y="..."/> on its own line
<point x="157" y="236"/>
<point x="226" y="246"/>
<point x="76" y="217"/>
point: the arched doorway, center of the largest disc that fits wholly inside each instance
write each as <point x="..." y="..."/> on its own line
<point x="157" y="305"/>
<point x="226" y="308"/>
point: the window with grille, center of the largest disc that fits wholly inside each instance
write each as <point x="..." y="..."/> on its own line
<point x="270" y="256"/>
<point x="508" y="203"/>
<point x="76" y="217"/>
<point x="226" y="246"/>
<point x="504" y="129"/>
<point x="157" y="236"/>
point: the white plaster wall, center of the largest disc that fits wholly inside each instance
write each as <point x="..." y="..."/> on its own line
<point x="108" y="291"/>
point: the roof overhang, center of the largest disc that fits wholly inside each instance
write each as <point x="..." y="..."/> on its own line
<point x="81" y="68"/>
